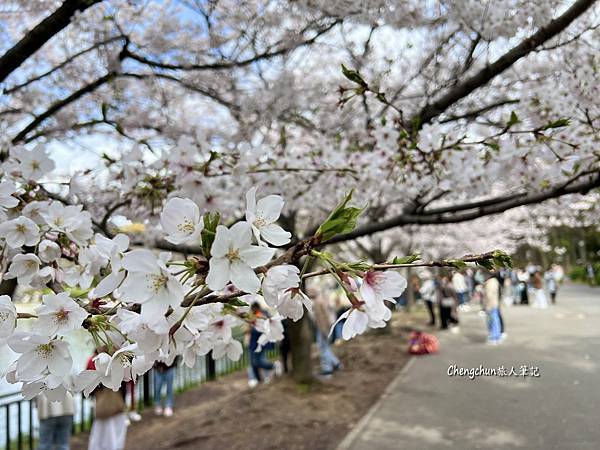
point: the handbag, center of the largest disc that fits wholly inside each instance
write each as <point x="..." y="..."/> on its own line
<point x="108" y="403"/>
<point x="447" y="302"/>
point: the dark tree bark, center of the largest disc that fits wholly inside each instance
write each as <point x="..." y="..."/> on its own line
<point x="301" y="342"/>
<point x="35" y="38"/>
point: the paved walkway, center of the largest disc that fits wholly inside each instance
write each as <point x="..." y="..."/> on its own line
<point x="424" y="408"/>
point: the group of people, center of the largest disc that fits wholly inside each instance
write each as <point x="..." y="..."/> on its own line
<point x="529" y="283"/>
<point x="448" y="293"/>
<point x="326" y="309"/>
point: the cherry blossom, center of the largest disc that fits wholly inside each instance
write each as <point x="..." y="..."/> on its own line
<point x="379" y="286"/>
<point x="234" y="257"/>
<point x="33" y="164"/>
<point x="278" y="279"/>
<point x="149" y="283"/>
<point x="263" y="214"/>
<point x="59" y="314"/>
<point x="7" y="200"/>
<point x="181" y="221"/>
<point x="49" y="251"/>
<point x="8" y="317"/>
<point x="20" y="231"/>
<point x="230" y="348"/>
<point x="24" y="267"/>
<point x="271" y="330"/>
<point x="292" y="302"/>
<point x="40" y="355"/>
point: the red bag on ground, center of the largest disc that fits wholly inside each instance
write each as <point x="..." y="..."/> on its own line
<point x="422" y="343"/>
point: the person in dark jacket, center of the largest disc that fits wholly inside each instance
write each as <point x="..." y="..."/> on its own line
<point x="448" y="301"/>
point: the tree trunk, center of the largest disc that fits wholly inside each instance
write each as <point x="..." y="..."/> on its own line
<point x="301" y="342"/>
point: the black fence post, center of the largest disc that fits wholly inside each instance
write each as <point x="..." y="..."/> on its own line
<point x="211" y="369"/>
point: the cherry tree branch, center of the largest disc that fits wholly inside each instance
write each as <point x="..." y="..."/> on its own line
<point x="35" y="38"/>
<point x="233" y="64"/>
<point x="66" y="62"/>
<point x="60" y="104"/>
<point x="441" y="263"/>
<point x="464" y="88"/>
<point x="463" y="213"/>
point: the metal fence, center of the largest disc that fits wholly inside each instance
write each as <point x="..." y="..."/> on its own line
<point x="19" y="426"/>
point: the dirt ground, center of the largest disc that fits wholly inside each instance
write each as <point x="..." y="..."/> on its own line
<point x="226" y="414"/>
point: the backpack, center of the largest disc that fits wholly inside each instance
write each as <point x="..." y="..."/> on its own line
<point x="422" y="343"/>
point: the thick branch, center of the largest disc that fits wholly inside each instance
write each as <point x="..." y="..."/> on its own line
<point x="447" y="215"/>
<point x="67" y="61"/>
<point x="461" y="90"/>
<point x="57" y="106"/>
<point x="40" y="34"/>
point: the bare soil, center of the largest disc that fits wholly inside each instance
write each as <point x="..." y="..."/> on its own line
<point x="227" y="414"/>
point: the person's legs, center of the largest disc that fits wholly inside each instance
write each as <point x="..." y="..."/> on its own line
<point x="453" y="315"/>
<point x="284" y="351"/>
<point x="255" y="365"/>
<point x="46" y="434"/>
<point x="337" y="330"/>
<point x="328" y="359"/>
<point x="62" y="432"/>
<point x="263" y="362"/>
<point x="444" y="315"/>
<point x="493" y="325"/>
<point x="430" y="308"/>
<point x="553" y="297"/>
<point x="159" y="379"/>
<point x="169" y="379"/>
<point x="500" y="320"/>
<point x="461" y="298"/>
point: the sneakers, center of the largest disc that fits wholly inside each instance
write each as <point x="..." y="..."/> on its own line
<point x="252" y="383"/>
<point x="134" y="416"/>
<point x="168" y="411"/>
<point x="158" y="411"/>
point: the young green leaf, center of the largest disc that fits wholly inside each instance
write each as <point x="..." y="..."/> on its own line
<point x="406" y="259"/>
<point x="556" y="124"/>
<point x="341" y="220"/>
<point x="353" y="76"/>
<point x="514" y="119"/>
<point x="211" y="220"/>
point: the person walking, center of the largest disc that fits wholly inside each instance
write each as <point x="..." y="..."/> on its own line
<point x="56" y="422"/>
<point x="109" y="428"/>
<point x="258" y="359"/>
<point x="523" y="278"/>
<point x="428" y="294"/>
<point x="551" y="284"/>
<point x="164" y="374"/>
<point x="490" y="303"/>
<point x="537" y="285"/>
<point x="447" y="300"/>
<point x="460" y="286"/>
<point x="324" y="318"/>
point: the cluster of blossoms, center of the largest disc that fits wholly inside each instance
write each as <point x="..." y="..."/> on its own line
<point x="138" y="306"/>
